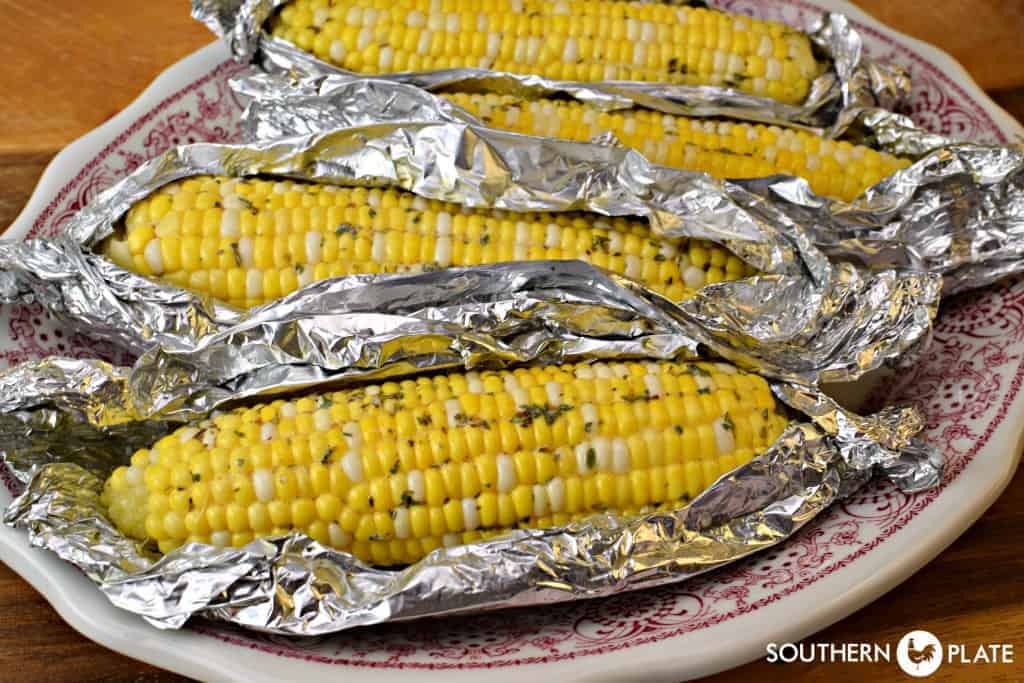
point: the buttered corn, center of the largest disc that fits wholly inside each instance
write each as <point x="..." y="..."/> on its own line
<point x="722" y="149"/>
<point x="392" y="471"/>
<point x="248" y="242"/>
<point x="576" y="40"/>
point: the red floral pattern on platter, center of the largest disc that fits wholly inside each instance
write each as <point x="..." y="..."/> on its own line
<point x="965" y="386"/>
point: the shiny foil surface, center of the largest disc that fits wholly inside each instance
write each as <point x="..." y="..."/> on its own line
<point x="293" y="585"/>
<point x="956" y="211"/>
<point x="785" y="316"/>
<point x="850" y="83"/>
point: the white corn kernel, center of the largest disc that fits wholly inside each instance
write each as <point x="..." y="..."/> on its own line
<point x="417" y="486"/>
<point x="540" y="500"/>
<point x="154" y="257"/>
<point x="506" y="474"/>
<point x="400" y="518"/>
<point x="352" y="463"/>
<point x="338" y="51"/>
<point x="253" y="283"/>
<point x="322" y="421"/>
<point x="724" y="436"/>
<point x="263" y="485"/>
<point x="556" y="494"/>
<point x="268" y="431"/>
<point x="620" y="456"/>
<point x="470" y="515"/>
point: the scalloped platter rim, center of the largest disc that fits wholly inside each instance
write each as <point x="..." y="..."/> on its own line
<point x="968" y="386"/>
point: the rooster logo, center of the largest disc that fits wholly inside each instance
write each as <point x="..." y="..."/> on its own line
<point x="919" y="654"/>
<point x="925" y="654"/>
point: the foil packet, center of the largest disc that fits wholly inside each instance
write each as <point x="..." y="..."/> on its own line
<point x="956" y="211"/>
<point x="786" y="314"/>
<point x="851" y="83"/>
<point x="295" y="586"/>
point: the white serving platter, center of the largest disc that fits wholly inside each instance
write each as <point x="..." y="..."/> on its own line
<point x="968" y="387"/>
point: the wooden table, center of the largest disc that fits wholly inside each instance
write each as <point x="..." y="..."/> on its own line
<point x="69" y="66"/>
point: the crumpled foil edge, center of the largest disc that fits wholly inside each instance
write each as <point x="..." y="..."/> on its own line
<point x="293" y="585"/>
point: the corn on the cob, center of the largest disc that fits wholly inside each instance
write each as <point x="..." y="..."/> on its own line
<point x="249" y="242"/>
<point x="389" y="472"/>
<point x="723" y="149"/>
<point x="576" y="40"/>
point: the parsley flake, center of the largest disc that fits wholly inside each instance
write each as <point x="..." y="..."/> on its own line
<point x="525" y="416"/>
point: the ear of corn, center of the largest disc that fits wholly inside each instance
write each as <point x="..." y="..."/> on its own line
<point x="392" y="471"/>
<point x="576" y="40"/>
<point x="250" y="242"/>
<point x="720" y="148"/>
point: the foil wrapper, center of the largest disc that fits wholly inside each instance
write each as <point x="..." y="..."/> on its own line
<point x="956" y="211"/>
<point x="786" y="316"/>
<point x="292" y="585"/>
<point x="376" y="327"/>
<point x="851" y="82"/>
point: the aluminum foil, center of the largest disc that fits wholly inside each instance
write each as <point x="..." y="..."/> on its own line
<point x="957" y="211"/>
<point x="293" y="585"/>
<point x="811" y="320"/>
<point x="785" y="316"/>
<point x="850" y="83"/>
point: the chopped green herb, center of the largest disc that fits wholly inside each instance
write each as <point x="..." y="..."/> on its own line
<point x="698" y="370"/>
<point x="591" y="458"/>
<point x="326" y="457"/>
<point x="633" y="398"/>
<point x="425" y="420"/>
<point x="196" y="476"/>
<point x="394" y="467"/>
<point x="246" y="204"/>
<point x="602" y="242"/>
<point x="326" y="402"/>
<point x="527" y="414"/>
<point x="727" y="422"/>
<point x="703" y="390"/>
<point x="463" y="420"/>
<point x="485" y="239"/>
<point x="676" y="66"/>
<point x="679" y="429"/>
<point x="346" y="229"/>
<point x="407" y="499"/>
<point x="237" y="254"/>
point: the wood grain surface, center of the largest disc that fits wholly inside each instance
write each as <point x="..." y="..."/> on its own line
<point x="68" y="66"/>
